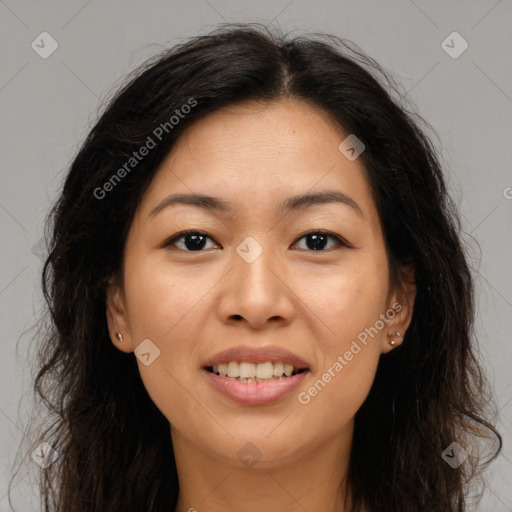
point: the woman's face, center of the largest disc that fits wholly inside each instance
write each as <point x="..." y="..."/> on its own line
<point x="251" y="280"/>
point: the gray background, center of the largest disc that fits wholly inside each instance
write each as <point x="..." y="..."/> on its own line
<point x="48" y="106"/>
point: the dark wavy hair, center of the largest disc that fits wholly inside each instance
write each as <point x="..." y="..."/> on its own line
<point x="114" y="449"/>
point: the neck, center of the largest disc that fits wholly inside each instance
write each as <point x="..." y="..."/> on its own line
<point x="310" y="480"/>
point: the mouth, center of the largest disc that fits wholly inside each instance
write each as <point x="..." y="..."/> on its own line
<point x="255" y="375"/>
<point x="254" y="384"/>
<point x="244" y="371"/>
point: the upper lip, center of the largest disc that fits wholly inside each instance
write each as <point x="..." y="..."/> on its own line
<point x="251" y="354"/>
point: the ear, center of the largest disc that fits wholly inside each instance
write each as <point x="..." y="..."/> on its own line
<point x="400" y="309"/>
<point x="117" y="317"/>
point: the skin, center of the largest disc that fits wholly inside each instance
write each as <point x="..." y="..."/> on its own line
<point x="194" y="304"/>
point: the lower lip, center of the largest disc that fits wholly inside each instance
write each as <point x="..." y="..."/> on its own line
<point x="255" y="393"/>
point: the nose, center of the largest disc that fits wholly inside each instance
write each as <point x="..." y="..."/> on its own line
<point x="257" y="293"/>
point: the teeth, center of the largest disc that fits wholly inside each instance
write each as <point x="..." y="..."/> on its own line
<point x="264" y="370"/>
<point x="249" y="372"/>
<point x="278" y="369"/>
<point x="233" y="369"/>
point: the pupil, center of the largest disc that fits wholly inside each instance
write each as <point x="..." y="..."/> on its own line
<point x="197" y="242"/>
<point x="318" y="241"/>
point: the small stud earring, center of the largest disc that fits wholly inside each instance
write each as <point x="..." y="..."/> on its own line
<point x="119" y="336"/>
<point x="392" y="341"/>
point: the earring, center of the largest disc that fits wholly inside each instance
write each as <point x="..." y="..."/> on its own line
<point x="392" y="341"/>
<point x="119" y="337"/>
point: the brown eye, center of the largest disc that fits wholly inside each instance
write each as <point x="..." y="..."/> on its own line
<point x="191" y="241"/>
<point x="318" y="240"/>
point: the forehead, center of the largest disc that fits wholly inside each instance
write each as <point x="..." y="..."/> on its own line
<point x="256" y="154"/>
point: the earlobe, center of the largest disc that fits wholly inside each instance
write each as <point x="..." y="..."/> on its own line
<point x="403" y="304"/>
<point x="118" y="325"/>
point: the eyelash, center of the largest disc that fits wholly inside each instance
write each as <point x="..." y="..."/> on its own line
<point x="341" y="242"/>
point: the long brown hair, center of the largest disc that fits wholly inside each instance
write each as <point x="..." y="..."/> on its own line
<point x="114" y="449"/>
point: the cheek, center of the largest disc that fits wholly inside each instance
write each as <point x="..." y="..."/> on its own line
<point x="159" y="304"/>
<point x="161" y="298"/>
<point x="347" y="300"/>
<point x="350" y="303"/>
<point x="167" y="307"/>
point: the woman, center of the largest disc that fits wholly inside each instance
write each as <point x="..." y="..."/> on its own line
<point x="258" y="295"/>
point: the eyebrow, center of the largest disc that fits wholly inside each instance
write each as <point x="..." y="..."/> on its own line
<point x="293" y="203"/>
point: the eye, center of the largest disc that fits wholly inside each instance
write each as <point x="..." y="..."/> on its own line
<point x="196" y="241"/>
<point x="317" y="240"/>
<point x="193" y="241"/>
